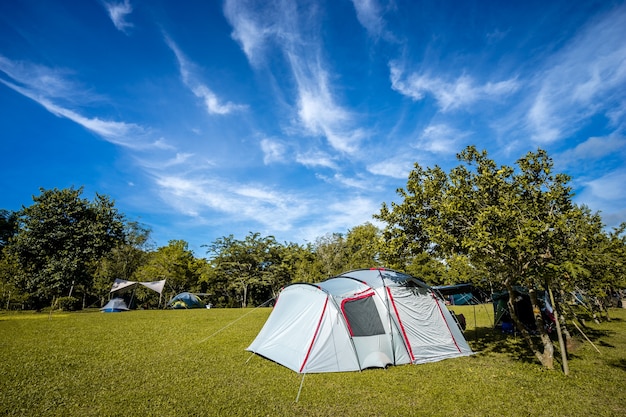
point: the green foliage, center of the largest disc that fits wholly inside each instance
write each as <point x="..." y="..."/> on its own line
<point x="8" y="226"/>
<point x="517" y="225"/>
<point x="193" y="362"/>
<point x="123" y="260"/>
<point x="60" y="239"/>
<point x="174" y="262"/>
<point x="68" y="303"/>
<point x="248" y="270"/>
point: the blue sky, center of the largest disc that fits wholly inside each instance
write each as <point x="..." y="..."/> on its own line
<point x="298" y="119"/>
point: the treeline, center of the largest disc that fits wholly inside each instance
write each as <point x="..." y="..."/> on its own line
<point x="493" y="225"/>
<point x="65" y="246"/>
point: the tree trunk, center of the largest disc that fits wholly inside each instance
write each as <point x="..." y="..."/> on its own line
<point x="520" y="326"/>
<point x="547" y="357"/>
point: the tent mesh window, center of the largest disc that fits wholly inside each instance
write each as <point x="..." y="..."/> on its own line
<point x="362" y="317"/>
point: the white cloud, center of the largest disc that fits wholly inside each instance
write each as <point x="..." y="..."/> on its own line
<point x="339" y="216"/>
<point x="197" y="196"/>
<point x="369" y="14"/>
<point x="316" y="158"/>
<point x="607" y="194"/>
<point x="129" y="135"/>
<point x="585" y="78"/>
<point x="119" y="12"/>
<point x="441" y="139"/>
<point x="396" y="167"/>
<point x="459" y="93"/>
<point x="595" y="148"/>
<point x="250" y="30"/>
<point x="210" y="100"/>
<point x="318" y="111"/>
<point x="356" y="182"/>
<point x="273" y="151"/>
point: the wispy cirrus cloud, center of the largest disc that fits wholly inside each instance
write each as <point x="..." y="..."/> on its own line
<point x="441" y="139"/>
<point x="212" y="103"/>
<point x="119" y="13"/>
<point x="595" y="148"/>
<point x="585" y="78"/>
<point x="369" y="14"/>
<point x="450" y="95"/>
<point x="316" y="158"/>
<point x="52" y="89"/>
<point x="258" y="26"/>
<point x="196" y="195"/>
<point x="397" y="167"/>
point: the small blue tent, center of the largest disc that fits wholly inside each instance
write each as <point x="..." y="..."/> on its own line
<point x="115" y="305"/>
<point x="185" y="300"/>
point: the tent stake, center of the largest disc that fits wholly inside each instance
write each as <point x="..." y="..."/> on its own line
<point x="300" y="389"/>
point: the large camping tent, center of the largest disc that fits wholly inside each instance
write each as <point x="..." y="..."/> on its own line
<point x="360" y="319"/>
<point x="185" y="300"/>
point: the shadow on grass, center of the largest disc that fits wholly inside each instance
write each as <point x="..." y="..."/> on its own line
<point x="490" y="340"/>
<point x="618" y="363"/>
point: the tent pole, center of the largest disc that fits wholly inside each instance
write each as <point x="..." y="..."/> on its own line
<point x="581" y="332"/>
<point x="300" y="389"/>
<point x="475" y="324"/>
<point x="130" y="305"/>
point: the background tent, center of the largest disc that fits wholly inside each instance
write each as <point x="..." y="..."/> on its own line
<point x="185" y="300"/>
<point x="360" y="319"/>
<point x="460" y="294"/>
<point x="523" y="309"/>
<point x="115" y="305"/>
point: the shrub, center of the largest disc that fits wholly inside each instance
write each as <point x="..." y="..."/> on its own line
<point x="68" y="303"/>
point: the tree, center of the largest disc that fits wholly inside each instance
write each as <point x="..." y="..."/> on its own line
<point x="505" y="220"/>
<point x="249" y="268"/>
<point x="363" y="245"/>
<point x="176" y="263"/>
<point x="331" y="254"/>
<point x="124" y="259"/>
<point x="8" y="226"/>
<point x="60" y="239"/>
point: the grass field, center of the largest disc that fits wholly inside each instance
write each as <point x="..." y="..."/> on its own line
<point x="193" y="363"/>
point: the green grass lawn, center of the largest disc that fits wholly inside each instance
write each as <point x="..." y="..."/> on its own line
<point x="193" y="362"/>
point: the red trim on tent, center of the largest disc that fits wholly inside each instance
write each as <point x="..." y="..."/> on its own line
<point x="319" y="323"/>
<point x="406" y="339"/>
<point x="364" y="294"/>
<point x="446" y="321"/>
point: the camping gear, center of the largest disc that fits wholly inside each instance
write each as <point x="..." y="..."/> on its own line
<point x="115" y="305"/>
<point x="357" y="320"/>
<point x="185" y="300"/>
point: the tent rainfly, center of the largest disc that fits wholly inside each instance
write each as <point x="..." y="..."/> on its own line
<point x="185" y="300"/>
<point x="115" y="305"/>
<point x="357" y="320"/>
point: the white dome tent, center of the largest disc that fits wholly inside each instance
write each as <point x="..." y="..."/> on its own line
<point x="357" y="320"/>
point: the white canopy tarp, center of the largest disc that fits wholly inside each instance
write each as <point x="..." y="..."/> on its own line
<point x="120" y="284"/>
